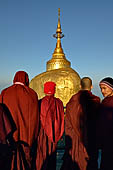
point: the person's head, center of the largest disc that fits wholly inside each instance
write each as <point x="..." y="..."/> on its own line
<point x="106" y="86"/>
<point x="49" y="88"/>
<point x="21" y="77"/>
<point x="86" y="83"/>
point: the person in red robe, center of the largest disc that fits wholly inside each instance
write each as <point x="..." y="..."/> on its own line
<point x="80" y="129"/>
<point x="22" y="101"/>
<point x="7" y="127"/>
<point x="105" y="124"/>
<point x="51" y="128"/>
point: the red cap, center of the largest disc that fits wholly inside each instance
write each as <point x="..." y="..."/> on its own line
<point x="49" y="87"/>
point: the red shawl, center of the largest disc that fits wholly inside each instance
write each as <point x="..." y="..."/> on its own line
<point x="22" y="102"/>
<point x="52" y="117"/>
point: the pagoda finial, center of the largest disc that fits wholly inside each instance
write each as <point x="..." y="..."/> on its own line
<point x="58" y="31"/>
<point x="58" y="58"/>
<point x="59" y="13"/>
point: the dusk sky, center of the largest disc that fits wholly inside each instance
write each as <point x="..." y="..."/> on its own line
<point x="27" y="43"/>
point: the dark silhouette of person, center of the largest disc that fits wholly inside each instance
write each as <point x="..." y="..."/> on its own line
<point x="80" y="125"/>
<point x="68" y="163"/>
<point x="7" y="143"/>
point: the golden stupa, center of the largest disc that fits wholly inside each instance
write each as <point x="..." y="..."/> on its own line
<point x="59" y="71"/>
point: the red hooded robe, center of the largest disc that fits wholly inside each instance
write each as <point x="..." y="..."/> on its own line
<point x="22" y="102"/>
<point x="51" y="130"/>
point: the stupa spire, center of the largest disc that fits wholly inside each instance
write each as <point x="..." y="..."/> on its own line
<point x="58" y="59"/>
<point x="58" y="31"/>
<point x="58" y="35"/>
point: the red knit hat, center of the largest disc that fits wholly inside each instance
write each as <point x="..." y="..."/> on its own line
<point x="49" y="87"/>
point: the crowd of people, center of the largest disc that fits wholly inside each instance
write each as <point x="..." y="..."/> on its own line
<point x="31" y="128"/>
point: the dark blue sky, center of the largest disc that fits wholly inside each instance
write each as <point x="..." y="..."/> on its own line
<point x="26" y="42"/>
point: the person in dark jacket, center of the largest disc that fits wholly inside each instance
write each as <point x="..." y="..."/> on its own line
<point x="105" y="124"/>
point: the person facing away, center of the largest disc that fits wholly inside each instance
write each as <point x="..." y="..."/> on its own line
<point x="80" y="126"/>
<point x="105" y="124"/>
<point x="22" y="102"/>
<point x="51" y="128"/>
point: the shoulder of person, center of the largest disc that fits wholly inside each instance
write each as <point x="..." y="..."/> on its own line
<point x="96" y="98"/>
<point x="59" y="100"/>
<point x="33" y="93"/>
<point x="74" y="97"/>
<point x="4" y="90"/>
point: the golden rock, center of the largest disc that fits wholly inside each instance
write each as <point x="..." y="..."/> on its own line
<point x="59" y="71"/>
<point x="66" y="79"/>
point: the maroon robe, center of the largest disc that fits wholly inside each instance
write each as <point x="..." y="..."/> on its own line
<point x="51" y="130"/>
<point x="5" y="125"/>
<point x="22" y="102"/>
<point x="105" y="133"/>
<point x="6" y="129"/>
<point x="76" y="129"/>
